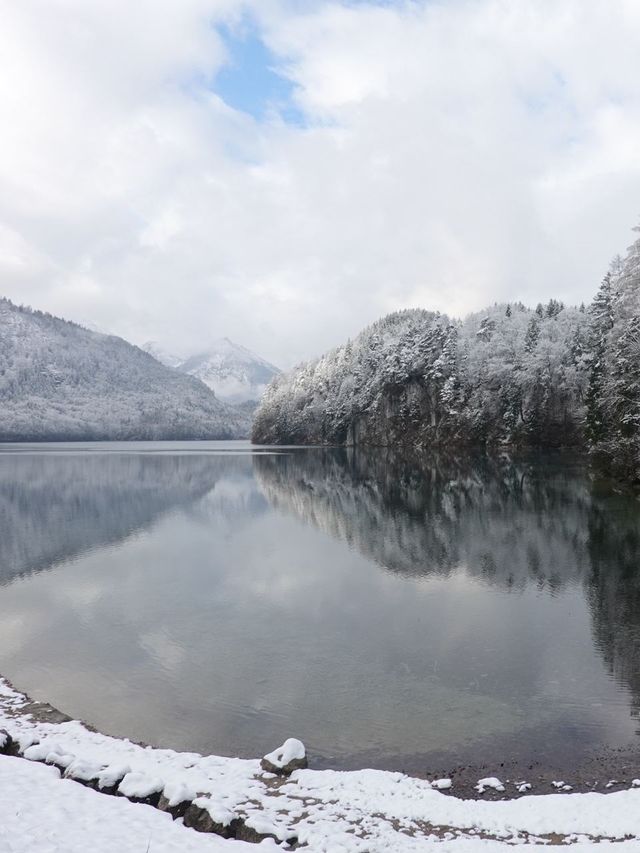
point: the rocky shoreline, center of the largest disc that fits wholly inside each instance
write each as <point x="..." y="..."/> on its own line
<point x="604" y="770"/>
<point x="278" y="802"/>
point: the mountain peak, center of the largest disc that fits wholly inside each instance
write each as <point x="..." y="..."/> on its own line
<point x="235" y="373"/>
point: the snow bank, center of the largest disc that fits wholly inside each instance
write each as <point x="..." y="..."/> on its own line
<point x="139" y="786"/>
<point x="41" y="813"/>
<point x="329" y="811"/>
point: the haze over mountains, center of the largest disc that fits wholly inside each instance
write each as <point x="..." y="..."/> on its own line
<point x="61" y="381"/>
<point x="233" y="372"/>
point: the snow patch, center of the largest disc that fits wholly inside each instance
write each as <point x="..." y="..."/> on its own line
<point x="140" y="785"/>
<point x="177" y="792"/>
<point x="291" y="750"/>
<point x="489" y="782"/>
<point x="83" y="771"/>
<point x="219" y="813"/>
<point x="112" y="775"/>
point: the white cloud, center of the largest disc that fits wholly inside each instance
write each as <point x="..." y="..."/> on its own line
<point x="456" y="153"/>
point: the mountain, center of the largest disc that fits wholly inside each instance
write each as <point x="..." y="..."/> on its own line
<point x="236" y="374"/>
<point x="60" y="381"/>
<point x="169" y="359"/>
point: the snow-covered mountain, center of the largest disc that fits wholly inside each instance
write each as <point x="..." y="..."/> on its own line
<point x="60" y="381"/>
<point x="162" y="355"/>
<point x="233" y="372"/>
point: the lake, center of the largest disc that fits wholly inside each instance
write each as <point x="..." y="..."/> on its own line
<point x="389" y="611"/>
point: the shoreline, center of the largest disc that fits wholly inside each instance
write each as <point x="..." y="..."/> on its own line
<point x="604" y="769"/>
<point x="320" y="810"/>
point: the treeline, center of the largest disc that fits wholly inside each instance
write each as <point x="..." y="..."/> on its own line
<point x="551" y="376"/>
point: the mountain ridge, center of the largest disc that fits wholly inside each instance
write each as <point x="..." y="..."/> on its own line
<point x="62" y="381"/>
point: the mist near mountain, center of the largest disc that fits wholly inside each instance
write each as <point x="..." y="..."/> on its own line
<point x="234" y="373"/>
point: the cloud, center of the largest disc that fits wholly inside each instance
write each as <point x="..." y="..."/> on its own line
<point x="451" y="154"/>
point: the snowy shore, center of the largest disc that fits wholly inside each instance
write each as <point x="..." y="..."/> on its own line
<point x="54" y="797"/>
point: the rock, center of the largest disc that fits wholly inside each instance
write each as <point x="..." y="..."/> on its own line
<point x="85" y="772"/>
<point x="176" y="799"/>
<point x="287" y="758"/>
<point x="199" y="817"/>
<point x="37" y="751"/>
<point x="176" y="811"/>
<point x="110" y="778"/>
<point x="140" y="788"/>
<point x="255" y="836"/>
<point x="61" y="760"/>
<point x="6" y="742"/>
<point x="490" y="782"/>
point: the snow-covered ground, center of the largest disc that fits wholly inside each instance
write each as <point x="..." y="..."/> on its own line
<point x="325" y="811"/>
<point x="39" y="811"/>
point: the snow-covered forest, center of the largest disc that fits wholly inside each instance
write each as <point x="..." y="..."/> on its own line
<point x="60" y="381"/>
<point x="509" y="375"/>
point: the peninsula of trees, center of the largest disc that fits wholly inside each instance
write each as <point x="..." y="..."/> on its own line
<point x="552" y="376"/>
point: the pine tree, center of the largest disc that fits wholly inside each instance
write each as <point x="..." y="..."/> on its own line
<point x="532" y="335"/>
<point x="620" y="395"/>
<point x="600" y="324"/>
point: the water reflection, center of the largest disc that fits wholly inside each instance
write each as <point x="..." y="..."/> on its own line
<point x="508" y="523"/>
<point x="385" y="609"/>
<point x="56" y="506"/>
<point x="613" y="588"/>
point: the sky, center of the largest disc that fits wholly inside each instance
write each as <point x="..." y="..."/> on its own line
<point x="284" y="172"/>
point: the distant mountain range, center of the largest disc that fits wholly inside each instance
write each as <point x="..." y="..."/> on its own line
<point x="61" y="381"/>
<point x="234" y="373"/>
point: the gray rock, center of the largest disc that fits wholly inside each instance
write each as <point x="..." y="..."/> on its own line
<point x="286" y="769"/>
<point x="199" y="819"/>
<point x="6" y="743"/>
<point x="247" y="833"/>
<point x="287" y="758"/>
<point x="176" y="811"/>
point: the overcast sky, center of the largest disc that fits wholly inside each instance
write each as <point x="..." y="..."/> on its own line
<point x="285" y="171"/>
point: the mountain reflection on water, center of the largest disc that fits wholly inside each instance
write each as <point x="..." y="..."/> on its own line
<point x="386" y="609"/>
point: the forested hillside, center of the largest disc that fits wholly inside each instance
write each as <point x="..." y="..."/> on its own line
<point x="509" y="375"/>
<point x="60" y="381"/>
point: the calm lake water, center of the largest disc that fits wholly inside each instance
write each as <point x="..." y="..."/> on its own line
<point x="390" y="612"/>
